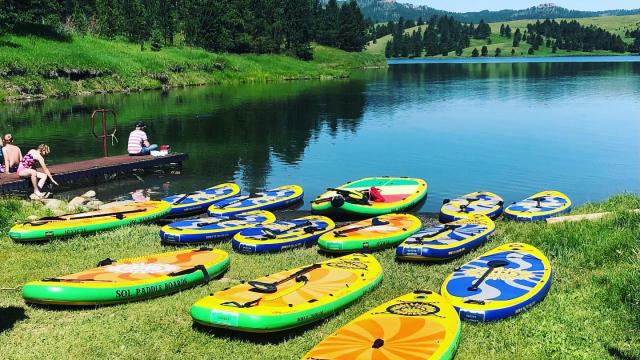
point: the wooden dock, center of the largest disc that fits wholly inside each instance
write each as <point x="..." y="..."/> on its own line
<point x="92" y="171"/>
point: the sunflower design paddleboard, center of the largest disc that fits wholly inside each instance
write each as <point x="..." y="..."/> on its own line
<point x="88" y="222"/>
<point x="480" y="202"/>
<point x="198" y="201"/>
<point x="282" y="235"/>
<point x="213" y="228"/>
<point x="370" y="234"/>
<point x="396" y="194"/>
<point x="419" y="325"/>
<point x="540" y="206"/>
<point x="444" y="242"/>
<point x="267" y="200"/>
<point x="290" y="298"/>
<point x="126" y="280"/>
<point x="501" y="283"/>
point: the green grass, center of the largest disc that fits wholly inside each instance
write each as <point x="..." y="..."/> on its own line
<point x="124" y="67"/>
<point x="591" y="312"/>
<point x="615" y="24"/>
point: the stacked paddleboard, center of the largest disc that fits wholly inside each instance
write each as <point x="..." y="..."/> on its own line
<point x="282" y="235"/>
<point x="292" y="298"/>
<point x="267" y="200"/>
<point x="198" y="201"/>
<point x="476" y="203"/>
<point x="118" y="281"/>
<point x="354" y="198"/>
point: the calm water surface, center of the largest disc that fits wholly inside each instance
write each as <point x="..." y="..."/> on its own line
<point x="513" y="129"/>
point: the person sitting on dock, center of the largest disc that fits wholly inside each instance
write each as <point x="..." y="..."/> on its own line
<point x="139" y="142"/>
<point x="11" y="154"/>
<point x="38" y="179"/>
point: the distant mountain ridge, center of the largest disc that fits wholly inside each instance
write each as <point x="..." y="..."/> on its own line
<point x="385" y="10"/>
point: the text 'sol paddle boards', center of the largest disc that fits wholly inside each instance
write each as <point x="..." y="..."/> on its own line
<point x="480" y="202"/>
<point x="501" y="283"/>
<point x="218" y="227"/>
<point x="198" y="201"/>
<point x="394" y="194"/>
<point x="88" y="222"/>
<point x="540" y="206"/>
<point x="444" y="242"/>
<point x="118" y="281"/>
<point x="290" y="298"/>
<point x="370" y="234"/>
<point x="267" y="200"/>
<point x="420" y="325"/>
<point x="282" y="235"/>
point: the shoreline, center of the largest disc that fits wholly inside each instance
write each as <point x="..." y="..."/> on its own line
<point x="518" y="59"/>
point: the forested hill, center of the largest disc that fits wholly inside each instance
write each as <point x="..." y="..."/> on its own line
<point x="385" y="10"/>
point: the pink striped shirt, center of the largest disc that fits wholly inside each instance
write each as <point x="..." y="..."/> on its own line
<point x="136" y="141"/>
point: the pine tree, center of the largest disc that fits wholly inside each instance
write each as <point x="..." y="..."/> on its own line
<point x="507" y="31"/>
<point x="483" y="30"/>
<point x="156" y="40"/>
<point x="502" y="30"/>
<point x="484" y="51"/>
<point x="351" y="31"/>
<point x="516" y="38"/>
<point x="513" y="52"/>
<point x="474" y="53"/>
<point x="327" y="33"/>
<point x="166" y="20"/>
<point x="135" y="21"/>
<point x="109" y="18"/>
<point x="297" y="32"/>
<point x="498" y="52"/>
<point x="531" y="51"/>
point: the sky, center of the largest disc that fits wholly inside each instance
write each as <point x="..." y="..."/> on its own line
<point x="477" y="5"/>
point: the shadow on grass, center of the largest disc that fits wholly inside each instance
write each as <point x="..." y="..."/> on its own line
<point x="6" y="43"/>
<point x="44" y="31"/>
<point x="9" y="316"/>
<point x="618" y="354"/>
<point x="274" y="338"/>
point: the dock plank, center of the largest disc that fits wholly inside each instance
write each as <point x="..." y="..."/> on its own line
<point x="91" y="169"/>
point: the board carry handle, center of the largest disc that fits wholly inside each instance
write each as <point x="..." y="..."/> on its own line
<point x="539" y="200"/>
<point x="443" y="230"/>
<point x="191" y="270"/>
<point x="119" y="215"/>
<point x="270" y="288"/>
<point x="493" y="264"/>
<point x="374" y="222"/>
<point x="463" y="207"/>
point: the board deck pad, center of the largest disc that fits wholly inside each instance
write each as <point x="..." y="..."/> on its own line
<point x="398" y="194"/>
<point x="213" y="228"/>
<point x="266" y="200"/>
<point x="89" y="222"/>
<point x="480" y="202"/>
<point x="366" y="235"/>
<point x="516" y="276"/>
<point x="447" y="241"/>
<point x="130" y="279"/>
<point x="316" y="293"/>
<point x="551" y="203"/>
<point x="199" y="201"/>
<point x="282" y="235"/>
<point x="419" y="325"/>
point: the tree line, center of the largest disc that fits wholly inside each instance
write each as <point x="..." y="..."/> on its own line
<point x="442" y="35"/>
<point x="237" y="26"/>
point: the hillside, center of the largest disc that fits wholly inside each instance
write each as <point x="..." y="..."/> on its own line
<point x="39" y="67"/>
<point x="385" y="10"/>
<point x="615" y="24"/>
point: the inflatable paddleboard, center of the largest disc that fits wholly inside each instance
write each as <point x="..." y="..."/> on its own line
<point x="282" y="235"/>
<point x="419" y="325"/>
<point x="444" y="242"/>
<point x="88" y="222"/>
<point x="501" y="283"/>
<point x="394" y="194"/>
<point x="370" y="234"/>
<point x="540" y="206"/>
<point x="290" y="298"/>
<point x="480" y="202"/>
<point x="198" y="201"/>
<point x="119" y="281"/>
<point x="218" y="227"/>
<point x="267" y="200"/>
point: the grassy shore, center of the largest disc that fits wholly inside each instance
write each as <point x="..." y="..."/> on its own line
<point x="615" y="24"/>
<point x="37" y="67"/>
<point x="592" y="310"/>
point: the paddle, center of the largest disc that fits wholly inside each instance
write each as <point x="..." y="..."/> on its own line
<point x="270" y="288"/>
<point x="183" y="198"/>
<point x="118" y="214"/>
<point x="271" y="235"/>
<point x="443" y="230"/>
<point x="493" y="264"/>
<point x="374" y="222"/>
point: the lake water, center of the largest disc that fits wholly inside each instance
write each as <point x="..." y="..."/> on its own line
<point x="510" y="128"/>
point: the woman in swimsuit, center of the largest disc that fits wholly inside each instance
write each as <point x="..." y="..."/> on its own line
<point x="12" y="156"/>
<point x="26" y="170"/>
